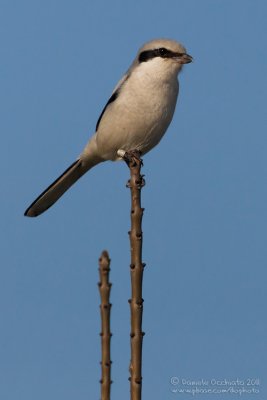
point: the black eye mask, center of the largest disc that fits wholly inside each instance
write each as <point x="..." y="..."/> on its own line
<point x="161" y="52"/>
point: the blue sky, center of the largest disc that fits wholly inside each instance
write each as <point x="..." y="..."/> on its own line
<point x="205" y="222"/>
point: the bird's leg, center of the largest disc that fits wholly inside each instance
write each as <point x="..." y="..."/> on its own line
<point x="131" y="156"/>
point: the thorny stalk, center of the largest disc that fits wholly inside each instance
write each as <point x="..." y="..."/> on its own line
<point x="105" y="306"/>
<point x="135" y="183"/>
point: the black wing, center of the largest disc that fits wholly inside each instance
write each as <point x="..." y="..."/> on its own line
<point x="111" y="99"/>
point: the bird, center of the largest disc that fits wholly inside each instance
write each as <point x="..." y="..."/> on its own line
<point x="135" y="118"/>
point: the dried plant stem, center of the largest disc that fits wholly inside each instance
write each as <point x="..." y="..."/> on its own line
<point x="104" y="290"/>
<point x="135" y="184"/>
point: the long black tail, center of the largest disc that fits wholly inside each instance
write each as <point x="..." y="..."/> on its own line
<point x="56" y="189"/>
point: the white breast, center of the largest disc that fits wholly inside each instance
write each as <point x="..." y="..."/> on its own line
<point x="140" y="115"/>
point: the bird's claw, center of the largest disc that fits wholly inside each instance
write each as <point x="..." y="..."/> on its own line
<point x="132" y="157"/>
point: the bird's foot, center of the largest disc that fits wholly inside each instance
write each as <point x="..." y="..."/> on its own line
<point x="131" y="156"/>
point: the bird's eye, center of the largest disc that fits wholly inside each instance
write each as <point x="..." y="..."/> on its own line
<point x="163" y="51"/>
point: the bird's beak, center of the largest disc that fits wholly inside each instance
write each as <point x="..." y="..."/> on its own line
<point x="185" y="59"/>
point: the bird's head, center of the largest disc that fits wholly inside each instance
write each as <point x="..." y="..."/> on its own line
<point x="166" y="55"/>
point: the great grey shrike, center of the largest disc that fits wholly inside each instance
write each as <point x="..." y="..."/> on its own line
<point x="135" y="117"/>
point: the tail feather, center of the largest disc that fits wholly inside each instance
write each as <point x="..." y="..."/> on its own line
<point x="56" y="189"/>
